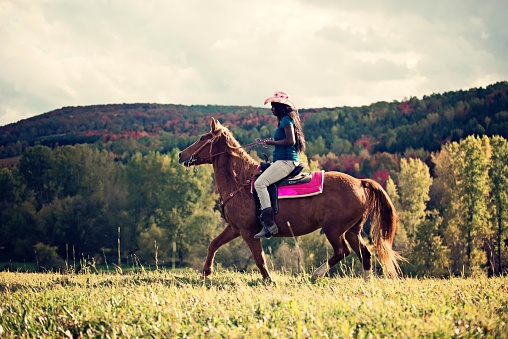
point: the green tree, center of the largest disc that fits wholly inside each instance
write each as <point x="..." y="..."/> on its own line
<point x="446" y="198"/>
<point x="401" y="241"/>
<point x="473" y="159"/>
<point x="13" y="188"/>
<point x="153" y="244"/>
<point x="68" y="169"/>
<point x="419" y="234"/>
<point x="430" y="256"/>
<point x="35" y="167"/>
<point x="163" y="193"/>
<point x="498" y="173"/>
<point x="189" y="205"/>
<point x="83" y="170"/>
<point x="144" y="182"/>
<point x="17" y="215"/>
<point x="340" y="146"/>
<point x="388" y="161"/>
<point x="316" y="147"/>
<point x="414" y="183"/>
<point x="76" y="221"/>
<point x="198" y="229"/>
<point x="18" y="224"/>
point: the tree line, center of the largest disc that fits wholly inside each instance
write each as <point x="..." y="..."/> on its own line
<point x="456" y="221"/>
<point x="366" y="141"/>
<point x="78" y="203"/>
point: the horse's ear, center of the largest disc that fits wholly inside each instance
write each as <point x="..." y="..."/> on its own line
<point x="214" y="125"/>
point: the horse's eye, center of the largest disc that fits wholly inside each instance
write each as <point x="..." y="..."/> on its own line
<point x="202" y="139"/>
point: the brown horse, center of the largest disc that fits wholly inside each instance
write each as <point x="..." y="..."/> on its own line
<point x="340" y="211"/>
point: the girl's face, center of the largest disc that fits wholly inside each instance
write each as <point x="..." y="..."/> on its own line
<point x="274" y="112"/>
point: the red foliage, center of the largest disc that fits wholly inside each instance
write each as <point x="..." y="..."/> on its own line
<point x="366" y="143"/>
<point x="381" y="176"/>
<point x="405" y="108"/>
<point x="347" y="163"/>
<point x="136" y="135"/>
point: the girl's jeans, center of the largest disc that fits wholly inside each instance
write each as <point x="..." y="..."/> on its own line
<point x="277" y="171"/>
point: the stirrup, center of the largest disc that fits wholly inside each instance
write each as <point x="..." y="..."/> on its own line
<point x="266" y="232"/>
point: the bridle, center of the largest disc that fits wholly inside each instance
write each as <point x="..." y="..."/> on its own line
<point x="193" y="159"/>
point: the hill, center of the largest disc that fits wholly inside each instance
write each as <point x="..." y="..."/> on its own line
<point x="106" y="123"/>
<point x="350" y="139"/>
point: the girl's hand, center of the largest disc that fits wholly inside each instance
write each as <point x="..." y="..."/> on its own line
<point x="269" y="141"/>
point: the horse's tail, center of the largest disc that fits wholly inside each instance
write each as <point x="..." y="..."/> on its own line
<point x="384" y="225"/>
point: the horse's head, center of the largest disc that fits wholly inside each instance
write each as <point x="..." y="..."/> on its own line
<point x="202" y="151"/>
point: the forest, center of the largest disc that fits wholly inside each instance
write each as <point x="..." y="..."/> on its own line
<point x="102" y="183"/>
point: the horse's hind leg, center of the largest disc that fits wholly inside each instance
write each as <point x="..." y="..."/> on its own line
<point x="340" y="251"/>
<point x="358" y="245"/>
<point x="356" y="242"/>
<point x="228" y="234"/>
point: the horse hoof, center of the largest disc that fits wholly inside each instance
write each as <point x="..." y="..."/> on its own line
<point x="321" y="271"/>
<point x="367" y="275"/>
<point x="206" y="272"/>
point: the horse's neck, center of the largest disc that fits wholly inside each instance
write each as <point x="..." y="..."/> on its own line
<point x="232" y="171"/>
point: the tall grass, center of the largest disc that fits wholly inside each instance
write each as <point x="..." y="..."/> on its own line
<point x="163" y="304"/>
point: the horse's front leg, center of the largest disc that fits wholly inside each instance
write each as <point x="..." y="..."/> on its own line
<point x="228" y="234"/>
<point x="258" y="254"/>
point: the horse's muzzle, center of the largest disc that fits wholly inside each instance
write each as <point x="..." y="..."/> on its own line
<point x="182" y="161"/>
<point x="186" y="162"/>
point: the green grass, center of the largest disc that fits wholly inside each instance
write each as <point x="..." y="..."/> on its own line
<point x="240" y="305"/>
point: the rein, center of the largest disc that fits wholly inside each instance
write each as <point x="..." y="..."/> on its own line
<point x="257" y="142"/>
<point x="230" y="196"/>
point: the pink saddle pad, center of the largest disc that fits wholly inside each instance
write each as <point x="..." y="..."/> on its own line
<point x="313" y="187"/>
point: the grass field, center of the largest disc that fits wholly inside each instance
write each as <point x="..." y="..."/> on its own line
<point x="241" y="305"/>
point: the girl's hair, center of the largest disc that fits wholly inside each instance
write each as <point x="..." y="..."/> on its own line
<point x="280" y="111"/>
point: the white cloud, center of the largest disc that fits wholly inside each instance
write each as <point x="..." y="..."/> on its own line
<point x="325" y="53"/>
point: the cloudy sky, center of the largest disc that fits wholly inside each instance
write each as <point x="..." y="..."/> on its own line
<point x="324" y="53"/>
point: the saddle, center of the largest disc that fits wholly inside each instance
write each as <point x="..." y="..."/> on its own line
<point x="295" y="185"/>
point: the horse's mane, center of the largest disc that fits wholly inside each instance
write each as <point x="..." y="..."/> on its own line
<point x="240" y="163"/>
